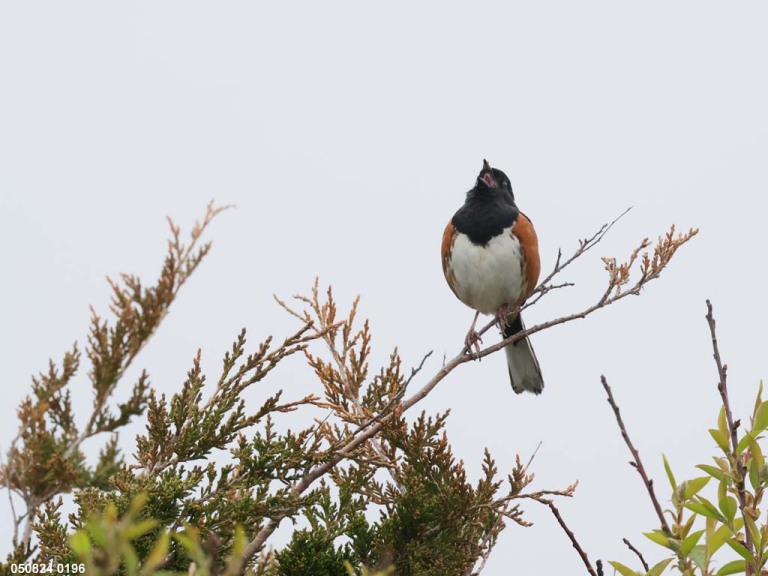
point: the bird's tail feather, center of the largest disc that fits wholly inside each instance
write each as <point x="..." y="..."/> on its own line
<point x="524" y="370"/>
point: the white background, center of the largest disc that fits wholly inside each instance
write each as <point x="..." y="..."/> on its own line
<point x="347" y="135"/>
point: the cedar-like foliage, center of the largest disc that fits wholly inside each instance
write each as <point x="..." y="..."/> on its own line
<point x="373" y="488"/>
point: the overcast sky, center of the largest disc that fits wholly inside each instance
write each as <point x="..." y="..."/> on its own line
<point x="347" y="135"/>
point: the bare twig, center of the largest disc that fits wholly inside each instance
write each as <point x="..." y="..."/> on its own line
<point x="486" y="544"/>
<point x="544" y="290"/>
<point x="572" y="538"/>
<point x="636" y="551"/>
<point x="722" y="372"/>
<point x="722" y="387"/>
<point x="530" y="460"/>
<point x="584" y="245"/>
<point x="8" y="471"/>
<point x="637" y="464"/>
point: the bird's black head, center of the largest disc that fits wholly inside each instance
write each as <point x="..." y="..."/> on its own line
<point x="489" y="208"/>
<point x="494" y="178"/>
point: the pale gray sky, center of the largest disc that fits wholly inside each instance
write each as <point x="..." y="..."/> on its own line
<point x="347" y="135"/>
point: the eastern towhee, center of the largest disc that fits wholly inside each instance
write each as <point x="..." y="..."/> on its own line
<point x="491" y="262"/>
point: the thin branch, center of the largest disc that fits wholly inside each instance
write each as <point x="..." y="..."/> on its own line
<point x="540" y="495"/>
<point x="530" y="460"/>
<point x="637" y="464"/>
<point x="584" y="246"/>
<point x="485" y="544"/>
<point x="636" y="551"/>
<point x="8" y="471"/>
<point x="722" y="372"/>
<point x="722" y="387"/>
<point x="572" y="538"/>
<point x="544" y="290"/>
<point x="31" y="515"/>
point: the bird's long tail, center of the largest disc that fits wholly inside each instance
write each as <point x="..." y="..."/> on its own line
<point x="524" y="370"/>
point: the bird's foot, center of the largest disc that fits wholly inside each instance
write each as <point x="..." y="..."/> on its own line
<point x="502" y="313"/>
<point x="473" y="340"/>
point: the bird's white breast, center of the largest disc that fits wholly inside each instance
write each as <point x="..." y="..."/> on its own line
<point x="486" y="277"/>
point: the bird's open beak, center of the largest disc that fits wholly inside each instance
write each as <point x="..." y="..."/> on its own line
<point x="486" y="176"/>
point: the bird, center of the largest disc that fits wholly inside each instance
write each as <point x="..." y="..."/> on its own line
<point x="490" y="257"/>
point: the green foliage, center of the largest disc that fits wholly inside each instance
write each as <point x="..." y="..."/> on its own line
<point x="212" y="477"/>
<point x="313" y="552"/>
<point x="106" y="543"/>
<point x="707" y="532"/>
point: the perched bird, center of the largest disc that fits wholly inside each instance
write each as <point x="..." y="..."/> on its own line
<point x="491" y="262"/>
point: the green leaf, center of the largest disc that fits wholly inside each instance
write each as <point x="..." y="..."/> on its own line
<point x="735" y="567"/>
<point x="188" y="541"/>
<point x="690" y="542"/>
<point x="658" y="537"/>
<point x="761" y="418"/>
<point x="713" y="471"/>
<point x="668" y="469"/>
<point x="739" y="548"/>
<point x="692" y="487"/>
<point x="722" y="424"/>
<point x="156" y="557"/>
<point x="96" y="533"/>
<point x="722" y="490"/>
<point x="137" y="504"/>
<point x="686" y="528"/>
<point x="131" y="560"/>
<point x="754" y="531"/>
<point x="754" y="474"/>
<point x="240" y="541"/>
<point x="110" y="514"/>
<point x="744" y="442"/>
<point x="711" y="523"/>
<point x="621" y="569"/>
<point x="705" y="508"/>
<point x="708" y="504"/>
<point x="724" y="465"/>
<point x="702" y="510"/>
<point x="729" y="507"/>
<point x="720" y="438"/>
<point x="757" y="453"/>
<point x="80" y="543"/>
<point x="657" y="569"/>
<point x="699" y="557"/>
<point x="139" y="528"/>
